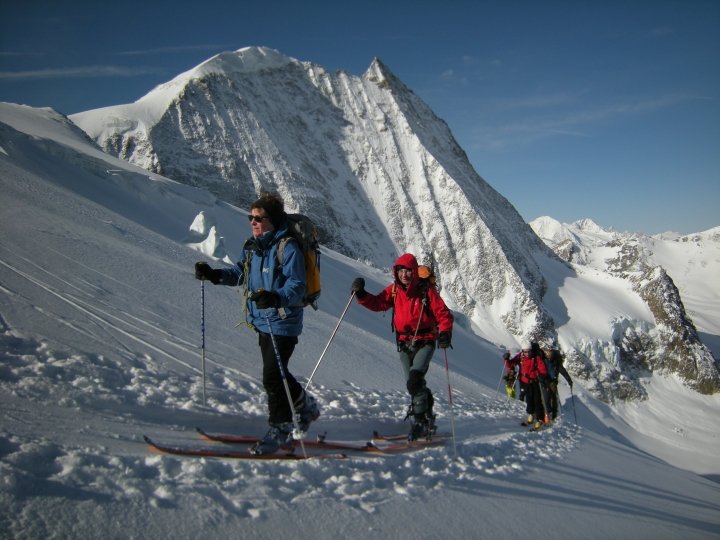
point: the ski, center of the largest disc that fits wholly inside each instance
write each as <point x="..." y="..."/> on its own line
<point x="318" y="444"/>
<point x="235" y="454"/>
<point x="388" y="444"/>
<point x="400" y="444"/>
<point x="405" y="446"/>
<point x="377" y="436"/>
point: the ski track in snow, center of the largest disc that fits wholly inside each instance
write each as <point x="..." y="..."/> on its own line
<point x="490" y="440"/>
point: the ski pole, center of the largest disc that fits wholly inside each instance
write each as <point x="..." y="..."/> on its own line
<point x="296" y="423"/>
<point x="572" y="397"/>
<point x="544" y="398"/>
<point x="202" y="331"/>
<point x="332" y="336"/>
<point x="502" y="371"/>
<point x="452" y="414"/>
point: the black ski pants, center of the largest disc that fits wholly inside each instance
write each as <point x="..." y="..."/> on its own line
<point x="278" y="405"/>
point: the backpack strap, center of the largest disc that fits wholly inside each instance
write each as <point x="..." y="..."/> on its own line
<point x="280" y="257"/>
<point x="246" y="293"/>
<point x="281" y="248"/>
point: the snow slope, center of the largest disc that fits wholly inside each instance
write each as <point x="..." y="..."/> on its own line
<point x="100" y="331"/>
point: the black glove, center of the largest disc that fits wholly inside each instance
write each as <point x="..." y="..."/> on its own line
<point x="444" y="340"/>
<point x="203" y="271"/>
<point x="265" y="299"/>
<point x="506" y="356"/>
<point x="358" y="287"/>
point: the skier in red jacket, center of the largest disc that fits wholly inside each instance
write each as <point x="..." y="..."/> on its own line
<point x="420" y="319"/>
<point x="533" y="377"/>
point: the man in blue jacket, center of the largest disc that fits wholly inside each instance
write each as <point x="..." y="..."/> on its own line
<point x="275" y="310"/>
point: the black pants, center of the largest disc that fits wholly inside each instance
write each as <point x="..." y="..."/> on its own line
<point x="277" y="400"/>
<point x="552" y="390"/>
<point x="534" y="400"/>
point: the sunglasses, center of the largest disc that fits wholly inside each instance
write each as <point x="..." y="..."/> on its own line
<point x="257" y="219"/>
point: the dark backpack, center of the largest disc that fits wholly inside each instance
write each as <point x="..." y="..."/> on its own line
<point x="302" y="229"/>
<point x="549" y="364"/>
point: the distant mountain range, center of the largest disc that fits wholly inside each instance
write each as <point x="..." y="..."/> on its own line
<point x="677" y="278"/>
<point x="381" y="174"/>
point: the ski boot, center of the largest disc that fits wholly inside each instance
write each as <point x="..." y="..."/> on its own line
<point x="423" y="426"/>
<point x="277" y="437"/>
<point x="307" y="410"/>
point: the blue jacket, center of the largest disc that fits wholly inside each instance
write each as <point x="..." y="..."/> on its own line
<point x="265" y="272"/>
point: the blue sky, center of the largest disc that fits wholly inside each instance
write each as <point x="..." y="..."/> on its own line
<point x="573" y="109"/>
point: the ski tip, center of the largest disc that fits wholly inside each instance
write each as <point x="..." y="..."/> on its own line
<point x="153" y="447"/>
<point x="203" y="434"/>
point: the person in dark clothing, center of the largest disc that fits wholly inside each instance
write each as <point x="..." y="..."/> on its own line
<point x="556" y="360"/>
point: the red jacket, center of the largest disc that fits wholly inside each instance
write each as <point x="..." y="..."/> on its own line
<point x="531" y="367"/>
<point x="410" y="314"/>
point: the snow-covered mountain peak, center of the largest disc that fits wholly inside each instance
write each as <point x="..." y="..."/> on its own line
<point x="711" y="235"/>
<point x="142" y="115"/>
<point x="377" y="71"/>
<point x="229" y="63"/>
<point x="245" y="60"/>
<point x="549" y="228"/>
<point x="589" y="226"/>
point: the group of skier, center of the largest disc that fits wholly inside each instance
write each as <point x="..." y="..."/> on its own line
<point x="537" y="371"/>
<point x="275" y="287"/>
